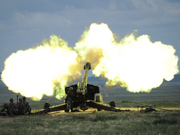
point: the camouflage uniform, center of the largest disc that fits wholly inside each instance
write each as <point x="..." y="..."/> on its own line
<point x="21" y="107"/>
<point x="27" y="108"/>
<point x="12" y="108"/>
<point x="5" y="110"/>
<point x="69" y="99"/>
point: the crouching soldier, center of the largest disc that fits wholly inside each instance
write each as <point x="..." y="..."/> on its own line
<point x="12" y="108"/>
<point x="5" y="110"/>
<point x="21" y="107"/>
<point x="27" y="108"/>
<point x="69" y="98"/>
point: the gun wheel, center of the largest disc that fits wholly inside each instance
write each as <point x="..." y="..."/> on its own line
<point x="66" y="110"/>
<point x="99" y="109"/>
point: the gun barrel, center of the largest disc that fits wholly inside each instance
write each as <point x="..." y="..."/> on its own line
<point x="17" y="99"/>
<point x="82" y="85"/>
<point x="87" y="67"/>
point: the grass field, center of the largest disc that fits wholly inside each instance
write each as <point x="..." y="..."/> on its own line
<point x="162" y="122"/>
<point x="94" y="123"/>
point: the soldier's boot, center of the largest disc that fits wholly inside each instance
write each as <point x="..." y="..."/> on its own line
<point x="67" y="108"/>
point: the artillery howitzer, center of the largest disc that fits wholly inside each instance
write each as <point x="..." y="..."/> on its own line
<point x="81" y="95"/>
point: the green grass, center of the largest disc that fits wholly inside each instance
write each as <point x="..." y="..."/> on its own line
<point x="164" y="103"/>
<point x="95" y="123"/>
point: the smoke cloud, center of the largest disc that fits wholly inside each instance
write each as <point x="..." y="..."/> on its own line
<point x="134" y="62"/>
<point x="42" y="70"/>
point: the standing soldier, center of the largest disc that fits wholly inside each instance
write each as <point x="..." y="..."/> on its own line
<point x="69" y="98"/>
<point x="12" y="108"/>
<point x="26" y="105"/>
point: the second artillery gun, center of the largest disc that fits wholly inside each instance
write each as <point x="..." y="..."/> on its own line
<point x="81" y="95"/>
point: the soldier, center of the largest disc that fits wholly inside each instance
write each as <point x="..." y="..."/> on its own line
<point x="69" y="99"/>
<point x="12" y="108"/>
<point x="150" y="109"/>
<point x="5" y="110"/>
<point x="26" y="105"/>
<point x="112" y="104"/>
<point x="47" y="106"/>
<point x="21" y="107"/>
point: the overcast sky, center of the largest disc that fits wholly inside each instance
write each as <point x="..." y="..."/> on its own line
<point x="25" y="23"/>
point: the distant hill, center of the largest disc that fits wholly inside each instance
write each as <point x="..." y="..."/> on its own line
<point x="176" y="78"/>
<point x="1" y="83"/>
<point x="93" y="78"/>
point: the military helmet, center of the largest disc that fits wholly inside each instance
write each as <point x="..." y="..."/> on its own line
<point x="20" y="99"/>
<point x="24" y="98"/>
<point x="5" y="104"/>
<point x="11" y="100"/>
